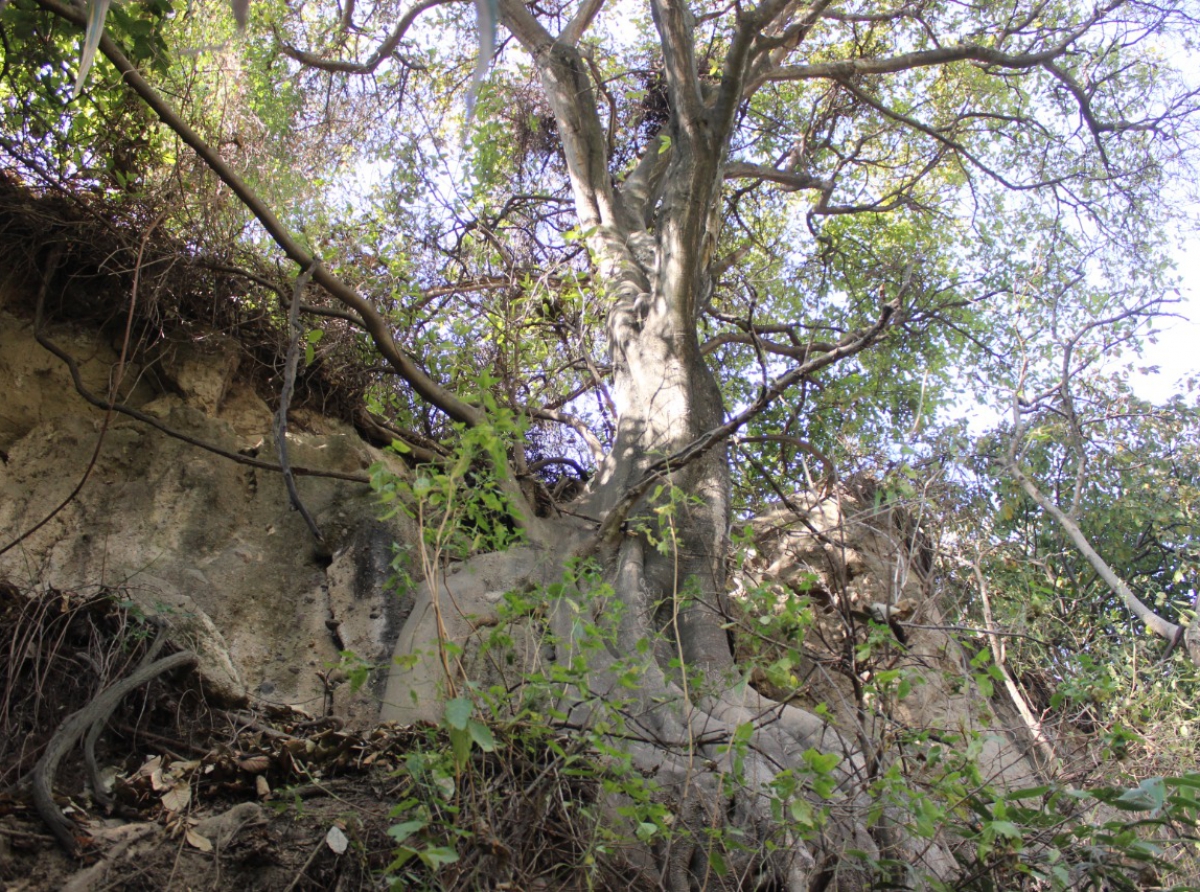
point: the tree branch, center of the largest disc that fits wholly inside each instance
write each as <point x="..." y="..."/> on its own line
<point x="790" y="180"/>
<point x="1161" y="627"/>
<point x="296" y="331"/>
<point x="374" y="323"/>
<point x="385" y="49"/>
<point x="581" y="21"/>
<point x="676" y="35"/>
<point x="849" y="68"/>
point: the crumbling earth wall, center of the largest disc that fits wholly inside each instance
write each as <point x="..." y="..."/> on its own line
<point x="211" y="546"/>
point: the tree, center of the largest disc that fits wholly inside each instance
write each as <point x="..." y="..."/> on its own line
<point x="1087" y="423"/>
<point x="789" y="223"/>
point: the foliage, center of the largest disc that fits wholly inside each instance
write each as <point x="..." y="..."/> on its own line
<point x="663" y="263"/>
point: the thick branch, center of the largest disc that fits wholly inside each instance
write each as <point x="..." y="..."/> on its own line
<point x="676" y="34"/>
<point x="1155" y="623"/>
<point x="850" y="68"/>
<point x="790" y="180"/>
<point x="795" y="351"/>
<point x="568" y="88"/>
<point x="375" y="324"/>
<point x="581" y="21"/>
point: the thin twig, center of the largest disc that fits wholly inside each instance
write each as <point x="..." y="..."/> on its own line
<point x="307" y="864"/>
<point x="285" y="397"/>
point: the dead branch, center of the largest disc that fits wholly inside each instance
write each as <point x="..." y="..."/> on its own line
<point x="285" y="397"/>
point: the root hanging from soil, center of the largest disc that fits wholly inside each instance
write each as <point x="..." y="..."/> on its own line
<point x="89" y="720"/>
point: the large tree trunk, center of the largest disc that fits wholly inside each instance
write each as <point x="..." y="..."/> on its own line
<point x="667" y="572"/>
<point x="666" y="562"/>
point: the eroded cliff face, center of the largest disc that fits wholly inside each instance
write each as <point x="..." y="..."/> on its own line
<point x="860" y="564"/>
<point x="211" y="546"/>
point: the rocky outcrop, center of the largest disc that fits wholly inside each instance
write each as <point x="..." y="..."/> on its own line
<point x="862" y="565"/>
<point x="210" y="545"/>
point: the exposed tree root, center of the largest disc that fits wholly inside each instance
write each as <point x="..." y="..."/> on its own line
<point x="718" y="782"/>
<point x="74" y="727"/>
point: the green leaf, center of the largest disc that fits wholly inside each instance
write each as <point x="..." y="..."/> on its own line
<point x="404" y="854"/>
<point x="717" y="862"/>
<point x="482" y="735"/>
<point x="401" y="832"/>
<point x="1149" y="795"/>
<point x="802" y="812"/>
<point x="460" y="745"/>
<point x="1006" y="829"/>
<point x="822" y="763"/>
<point x="458" y="712"/>
<point x="438" y="856"/>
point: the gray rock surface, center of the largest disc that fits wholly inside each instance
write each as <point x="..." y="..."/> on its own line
<point x="211" y="546"/>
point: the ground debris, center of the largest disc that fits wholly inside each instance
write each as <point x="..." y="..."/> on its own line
<point x="266" y="797"/>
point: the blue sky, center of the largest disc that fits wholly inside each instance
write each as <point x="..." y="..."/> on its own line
<point x="1177" y="352"/>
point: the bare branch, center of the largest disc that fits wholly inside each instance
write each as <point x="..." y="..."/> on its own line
<point x="850" y="68"/>
<point x="790" y="180"/>
<point x="373" y="321"/>
<point x="384" y="51"/>
<point x="1161" y="627"/>
<point x="295" y="331"/>
<point x="752" y="338"/>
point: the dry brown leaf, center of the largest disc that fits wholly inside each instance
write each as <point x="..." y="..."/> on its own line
<point x="177" y="798"/>
<point x="255" y="764"/>
<point x="200" y="842"/>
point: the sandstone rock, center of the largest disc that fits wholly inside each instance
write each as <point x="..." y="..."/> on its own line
<point x="211" y="546"/>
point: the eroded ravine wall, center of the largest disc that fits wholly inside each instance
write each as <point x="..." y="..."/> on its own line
<point x="210" y="545"/>
<point x="214" y="547"/>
